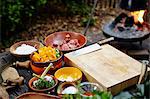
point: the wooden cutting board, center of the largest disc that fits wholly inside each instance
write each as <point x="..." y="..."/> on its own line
<point x="109" y="67"/>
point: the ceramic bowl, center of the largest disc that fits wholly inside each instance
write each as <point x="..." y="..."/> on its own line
<point x="86" y="89"/>
<point x="64" y="85"/>
<point x="39" y="67"/>
<point x="34" y="95"/>
<point x="42" y="90"/>
<point x="68" y="74"/>
<point x="31" y="43"/>
<point x="58" y="37"/>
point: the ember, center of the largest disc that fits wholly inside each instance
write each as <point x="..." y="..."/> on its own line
<point x="138" y="16"/>
<point x="132" y="21"/>
<point x="128" y="27"/>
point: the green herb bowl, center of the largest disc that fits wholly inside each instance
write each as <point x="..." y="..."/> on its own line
<point x="42" y="90"/>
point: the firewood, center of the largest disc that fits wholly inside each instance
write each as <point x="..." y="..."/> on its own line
<point x="10" y="73"/>
<point x="24" y="64"/>
<point x="3" y="93"/>
<point x="10" y="76"/>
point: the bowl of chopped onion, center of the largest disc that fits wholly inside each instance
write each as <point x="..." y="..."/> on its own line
<point x="46" y="83"/>
<point x="66" y="40"/>
<point x="24" y="48"/>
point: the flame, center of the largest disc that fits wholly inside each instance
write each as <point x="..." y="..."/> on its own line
<point x="138" y="16"/>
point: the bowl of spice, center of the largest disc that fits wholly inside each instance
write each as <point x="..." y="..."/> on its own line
<point x="24" y="48"/>
<point x="69" y="74"/>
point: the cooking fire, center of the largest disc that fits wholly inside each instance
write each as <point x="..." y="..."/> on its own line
<point x="128" y="27"/>
<point x="133" y="21"/>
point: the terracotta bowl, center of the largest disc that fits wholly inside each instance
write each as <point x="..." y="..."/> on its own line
<point x="39" y="67"/>
<point x="31" y="43"/>
<point x="34" y="95"/>
<point x="64" y="74"/>
<point x="64" y="85"/>
<point x="42" y="90"/>
<point x="58" y="38"/>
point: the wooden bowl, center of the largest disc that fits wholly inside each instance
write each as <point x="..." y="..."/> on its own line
<point x="58" y="38"/>
<point x="64" y="74"/>
<point x="31" y="43"/>
<point x="42" y="90"/>
<point x="34" y="95"/>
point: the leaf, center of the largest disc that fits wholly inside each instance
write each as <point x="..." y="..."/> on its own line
<point x="30" y="14"/>
<point x="141" y="89"/>
<point x="123" y="95"/>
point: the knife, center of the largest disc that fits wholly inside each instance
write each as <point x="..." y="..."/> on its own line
<point x="90" y="48"/>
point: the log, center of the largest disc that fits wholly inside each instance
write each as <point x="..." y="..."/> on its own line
<point x="3" y="93"/>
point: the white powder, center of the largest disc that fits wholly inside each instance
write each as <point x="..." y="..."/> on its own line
<point x="66" y="78"/>
<point x="25" y="49"/>
<point x="70" y="90"/>
<point x="69" y="79"/>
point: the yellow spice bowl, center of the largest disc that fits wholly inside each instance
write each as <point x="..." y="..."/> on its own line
<point x="68" y="74"/>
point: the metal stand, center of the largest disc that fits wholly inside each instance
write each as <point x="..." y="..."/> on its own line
<point x="90" y="17"/>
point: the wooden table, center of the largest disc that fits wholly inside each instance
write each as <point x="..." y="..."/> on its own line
<point x="109" y="67"/>
<point x="27" y="74"/>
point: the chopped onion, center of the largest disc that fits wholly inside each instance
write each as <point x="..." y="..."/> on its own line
<point x="48" y="78"/>
<point x="64" y="78"/>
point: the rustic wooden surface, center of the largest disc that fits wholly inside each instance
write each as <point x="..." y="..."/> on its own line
<point x="27" y="74"/>
<point x="109" y="67"/>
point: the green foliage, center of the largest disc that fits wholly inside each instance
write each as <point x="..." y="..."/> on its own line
<point x="78" y="7"/>
<point x="140" y="92"/>
<point x="85" y="20"/>
<point x="102" y="95"/>
<point x="73" y="7"/>
<point x="16" y="15"/>
<point x="97" y="95"/>
<point x="14" y="12"/>
<point x="71" y="96"/>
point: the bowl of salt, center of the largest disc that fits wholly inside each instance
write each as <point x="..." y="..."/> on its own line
<point x="67" y="88"/>
<point x="24" y="48"/>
